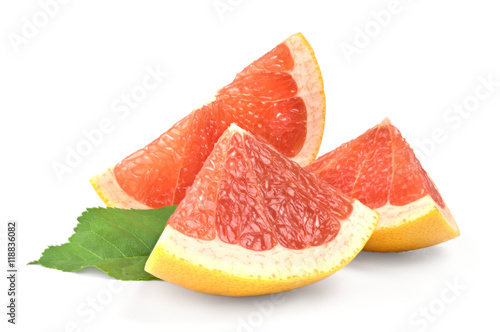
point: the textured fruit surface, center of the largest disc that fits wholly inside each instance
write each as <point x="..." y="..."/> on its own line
<point x="381" y="170"/>
<point x="262" y="201"/>
<point x="278" y="97"/>
<point x="255" y="222"/>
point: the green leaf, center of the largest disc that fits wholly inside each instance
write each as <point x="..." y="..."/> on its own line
<point x="117" y="241"/>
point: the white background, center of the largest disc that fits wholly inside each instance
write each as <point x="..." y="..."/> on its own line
<point x="65" y="78"/>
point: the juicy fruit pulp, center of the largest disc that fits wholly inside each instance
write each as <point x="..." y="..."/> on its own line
<point x="255" y="222"/>
<point x="377" y="168"/>
<point x="261" y="199"/>
<point x="380" y="169"/>
<point x="266" y="98"/>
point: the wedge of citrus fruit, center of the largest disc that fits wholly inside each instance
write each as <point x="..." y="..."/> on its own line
<point x="255" y="222"/>
<point x="278" y="97"/>
<point x="380" y="169"/>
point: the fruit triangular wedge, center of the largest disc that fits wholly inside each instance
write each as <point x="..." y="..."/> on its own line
<point x="380" y="169"/>
<point x="255" y="222"/>
<point x="278" y="97"/>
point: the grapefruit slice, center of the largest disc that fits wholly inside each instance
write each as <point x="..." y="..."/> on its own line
<point x="278" y="97"/>
<point x="255" y="222"/>
<point x="380" y="169"/>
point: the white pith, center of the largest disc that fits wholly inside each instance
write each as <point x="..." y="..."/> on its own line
<point x="107" y="186"/>
<point x="310" y="88"/>
<point x="392" y="216"/>
<point x="278" y="262"/>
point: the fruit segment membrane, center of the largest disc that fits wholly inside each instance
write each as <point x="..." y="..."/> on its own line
<point x="377" y="168"/>
<point x="251" y="195"/>
<point x="262" y="99"/>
